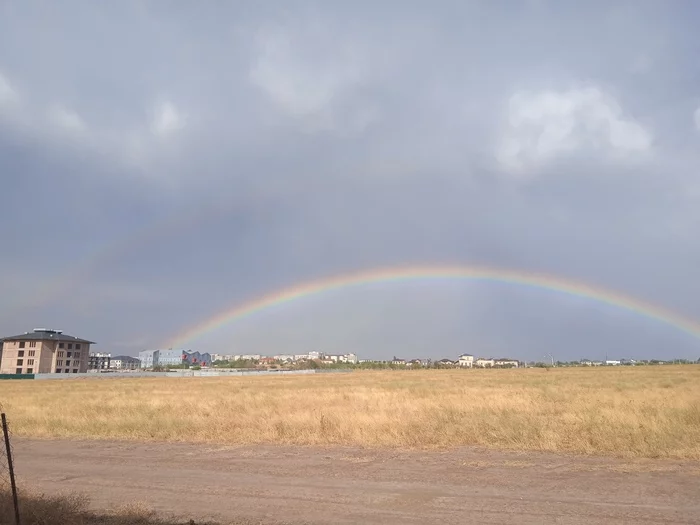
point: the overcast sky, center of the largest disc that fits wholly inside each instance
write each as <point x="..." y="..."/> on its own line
<point x="163" y="161"/>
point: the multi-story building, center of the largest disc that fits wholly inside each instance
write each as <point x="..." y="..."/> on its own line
<point x="44" y="351"/>
<point x="124" y="362"/>
<point x="466" y="361"/>
<point x="99" y="361"/>
<point x="485" y="363"/>
<point x="171" y="357"/>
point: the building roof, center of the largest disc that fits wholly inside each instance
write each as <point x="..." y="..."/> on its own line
<point x="125" y="358"/>
<point x="43" y="334"/>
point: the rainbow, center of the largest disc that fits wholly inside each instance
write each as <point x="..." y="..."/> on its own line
<point x="389" y="275"/>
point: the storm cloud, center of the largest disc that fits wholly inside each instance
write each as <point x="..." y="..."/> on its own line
<point x="161" y="163"/>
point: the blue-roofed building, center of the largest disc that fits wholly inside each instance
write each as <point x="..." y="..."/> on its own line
<point x="173" y="357"/>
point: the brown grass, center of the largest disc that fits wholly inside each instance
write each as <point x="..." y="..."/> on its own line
<point x="645" y="412"/>
<point x="40" y="509"/>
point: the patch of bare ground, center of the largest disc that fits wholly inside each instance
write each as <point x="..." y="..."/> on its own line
<point x="321" y="485"/>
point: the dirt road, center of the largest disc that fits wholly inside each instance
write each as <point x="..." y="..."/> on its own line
<point x="273" y="485"/>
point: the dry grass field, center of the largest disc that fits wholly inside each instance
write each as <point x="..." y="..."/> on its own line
<point x="649" y="412"/>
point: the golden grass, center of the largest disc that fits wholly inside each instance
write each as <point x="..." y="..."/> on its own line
<point x="646" y="412"/>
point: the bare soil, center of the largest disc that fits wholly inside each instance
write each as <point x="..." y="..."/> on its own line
<point x="299" y="485"/>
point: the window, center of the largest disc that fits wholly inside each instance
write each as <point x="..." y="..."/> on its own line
<point x="20" y="353"/>
<point x="75" y="370"/>
<point x="18" y="371"/>
<point x="67" y="363"/>
<point x="30" y="370"/>
<point x="21" y="344"/>
<point x="77" y="355"/>
<point x="30" y="362"/>
<point x="58" y="370"/>
<point x="59" y="362"/>
<point x="31" y="353"/>
<point x="60" y="354"/>
<point x="60" y="345"/>
<point x="32" y="344"/>
<point x="69" y="353"/>
<point x="70" y="346"/>
<point x="20" y="362"/>
<point x="77" y="346"/>
<point x="66" y="371"/>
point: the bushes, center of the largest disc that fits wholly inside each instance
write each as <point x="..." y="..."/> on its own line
<point x="72" y="509"/>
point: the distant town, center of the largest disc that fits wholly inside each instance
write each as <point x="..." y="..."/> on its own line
<point x="49" y="351"/>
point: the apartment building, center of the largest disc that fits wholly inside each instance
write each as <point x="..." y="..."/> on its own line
<point x="44" y="351"/>
<point x="99" y="361"/>
<point x="124" y="362"/>
<point x="171" y="357"/>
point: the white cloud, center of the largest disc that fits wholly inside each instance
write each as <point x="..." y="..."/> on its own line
<point x="167" y="120"/>
<point x="66" y="119"/>
<point x="308" y="76"/>
<point x="696" y="118"/>
<point x="547" y="125"/>
<point x="7" y="93"/>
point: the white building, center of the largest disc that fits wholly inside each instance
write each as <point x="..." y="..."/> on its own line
<point x="124" y="362"/>
<point x="344" y="358"/>
<point x="507" y="362"/>
<point x="485" y="363"/>
<point x="466" y="361"/>
<point x="247" y="357"/>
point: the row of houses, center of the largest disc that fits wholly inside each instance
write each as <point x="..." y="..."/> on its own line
<point x="320" y="357"/>
<point x="51" y="351"/>
<point x="464" y="361"/>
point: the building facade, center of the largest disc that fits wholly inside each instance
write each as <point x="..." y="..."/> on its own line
<point x="44" y="351"/>
<point x="466" y="361"/>
<point x="171" y="357"/>
<point x="99" y="361"/>
<point x="124" y="362"/>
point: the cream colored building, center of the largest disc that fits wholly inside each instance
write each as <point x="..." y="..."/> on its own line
<point x="484" y="363"/>
<point x="44" y="351"/>
<point x="466" y="361"/>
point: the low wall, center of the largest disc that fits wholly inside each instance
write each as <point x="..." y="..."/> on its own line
<point x="225" y="372"/>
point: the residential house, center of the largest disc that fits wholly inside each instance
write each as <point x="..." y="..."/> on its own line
<point x="506" y="362"/>
<point x="466" y="361"/>
<point x="482" y="362"/>
<point x="247" y="357"/>
<point x="344" y="358"/>
<point x="446" y="363"/>
<point x="398" y="361"/>
<point x="44" y="351"/>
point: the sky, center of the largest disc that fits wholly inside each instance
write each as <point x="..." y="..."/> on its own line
<point x="161" y="162"/>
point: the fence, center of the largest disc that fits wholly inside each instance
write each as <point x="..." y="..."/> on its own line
<point x="207" y="372"/>
<point x="8" y="489"/>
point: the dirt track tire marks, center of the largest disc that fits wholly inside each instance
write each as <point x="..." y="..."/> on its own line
<point x="335" y="485"/>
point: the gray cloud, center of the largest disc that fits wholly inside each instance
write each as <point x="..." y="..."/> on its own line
<point x="161" y="163"/>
